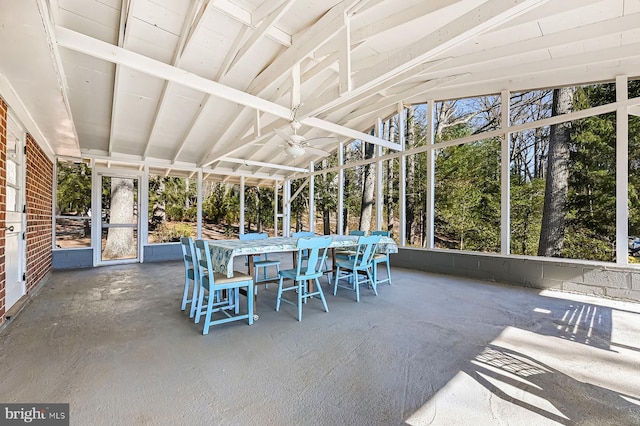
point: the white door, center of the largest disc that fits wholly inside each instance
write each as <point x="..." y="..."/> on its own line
<point x="119" y="240"/>
<point x="15" y="247"/>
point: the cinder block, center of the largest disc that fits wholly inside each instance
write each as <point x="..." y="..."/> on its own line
<point x="551" y="284"/>
<point x="635" y="280"/>
<point x="590" y="290"/>
<point x="562" y="272"/>
<point x="605" y="278"/>
<point x="466" y="261"/>
<point x="632" y="295"/>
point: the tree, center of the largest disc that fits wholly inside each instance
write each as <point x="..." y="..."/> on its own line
<point x="557" y="185"/>
<point x="368" y="186"/>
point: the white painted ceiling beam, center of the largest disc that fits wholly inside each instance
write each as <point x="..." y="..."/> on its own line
<point x="265" y="9"/>
<point x="261" y="164"/>
<point x="122" y="35"/>
<point x="580" y="34"/>
<point x="303" y="45"/>
<point x="243" y="16"/>
<point x="379" y="26"/>
<point x="99" y="49"/>
<point x="265" y="26"/>
<point x="326" y="102"/>
<point x="489" y="15"/>
<point x="192" y="22"/>
<point x="388" y="101"/>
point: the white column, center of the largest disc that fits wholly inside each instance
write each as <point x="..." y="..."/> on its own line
<point x="275" y="209"/>
<point x="379" y="186"/>
<point x="312" y="200"/>
<point x="622" y="173"/>
<point x="241" y="205"/>
<point x="505" y="176"/>
<point x="431" y="175"/>
<point x="341" y="188"/>
<point x="403" y="178"/>
<point x="286" y="232"/>
<point x="143" y="209"/>
<point x="199" y="201"/>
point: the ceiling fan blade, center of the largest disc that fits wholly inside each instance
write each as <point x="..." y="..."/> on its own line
<point x="283" y="135"/>
<point x="329" y="139"/>
<point x="316" y="151"/>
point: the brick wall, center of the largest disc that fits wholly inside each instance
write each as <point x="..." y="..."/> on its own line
<point x="3" y="178"/>
<point x="39" y="188"/>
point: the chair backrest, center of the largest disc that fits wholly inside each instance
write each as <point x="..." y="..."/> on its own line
<point x="188" y="255"/>
<point x="203" y="262"/>
<point x="315" y="248"/>
<point x="357" y="233"/>
<point x="254" y="236"/>
<point x="303" y="234"/>
<point x="366" y="249"/>
<point x="381" y="233"/>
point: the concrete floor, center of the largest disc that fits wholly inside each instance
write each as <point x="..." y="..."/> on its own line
<point x="430" y="349"/>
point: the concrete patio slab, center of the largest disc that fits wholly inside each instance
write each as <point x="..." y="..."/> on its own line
<point x="430" y="349"/>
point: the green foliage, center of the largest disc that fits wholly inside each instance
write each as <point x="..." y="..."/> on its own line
<point x="73" y="195"/>
<point x="467" y="196"/>
<point x="171" y="232"/>
<point x="527" y="200"/>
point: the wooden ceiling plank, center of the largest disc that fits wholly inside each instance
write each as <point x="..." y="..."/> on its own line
<point x="265" y="26"/>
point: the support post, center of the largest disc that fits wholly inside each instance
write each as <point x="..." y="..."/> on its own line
<point x="622" y="173"/>
<point x="505" y="176"/>
<point x="403" y="178"/>
<point x="241" y="230"/>
<point x="431" y="175"/>
<point x="341" y="189"/>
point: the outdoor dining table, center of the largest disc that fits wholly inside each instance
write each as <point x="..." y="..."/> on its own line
<point x="224" y="251"/>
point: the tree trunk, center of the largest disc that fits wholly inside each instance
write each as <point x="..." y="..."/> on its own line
<point x="120" y="241"/>
<point x="410" y="176"/>
<point x="326" y="225"/>
<point x="557" y="183"/>
<point x="368" y="186"/>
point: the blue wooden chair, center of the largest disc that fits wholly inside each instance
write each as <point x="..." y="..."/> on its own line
<point x="309" y="234"/>
<point x="348" y="254"/>
<point x="259" y="262"/>
<point x="381" y="258"/>
<point x="360" y="263"/>
<point x="213" y="282"/>
<point x="190" y="276"/>
<point x="302" y="275"/>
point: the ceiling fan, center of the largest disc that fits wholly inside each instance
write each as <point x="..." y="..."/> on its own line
<point x="298" y="145"/>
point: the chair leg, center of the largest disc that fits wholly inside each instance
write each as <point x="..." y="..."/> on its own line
<point x="336" y="276"/>
<point x="249" y="302"/>
<point x="357" y="284"/>
<point x="388" y="272"/>
<point x="301" y="285"/>
<point x="185" y="293"/>
<point x="279" y="293"/>
<point x="207" y="319"/>
<point x="324" y="302"/>
<point x="194" y="299"/>
<point x="372" y="280"/>
<point x="199" y="304"/>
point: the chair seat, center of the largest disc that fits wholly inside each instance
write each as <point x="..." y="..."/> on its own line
<point x="379" y="256"/>
<point x="261" y="263"/>
<point x="237" y="276"/>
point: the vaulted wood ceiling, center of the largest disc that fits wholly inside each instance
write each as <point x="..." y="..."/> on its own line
<point x="183" y="84"/>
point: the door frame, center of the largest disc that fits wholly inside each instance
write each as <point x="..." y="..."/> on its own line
<point x="19" y="217"/>
<point x="96" y="206"/>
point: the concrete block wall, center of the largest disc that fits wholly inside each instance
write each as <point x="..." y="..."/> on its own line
<point x="590" y="278"/>
<point x="72" y="258"/>
<point x="39" y="197"/>
<point x="3" y="201"/>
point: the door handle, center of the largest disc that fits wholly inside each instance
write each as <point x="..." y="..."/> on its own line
<point x="10" y="229"/>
